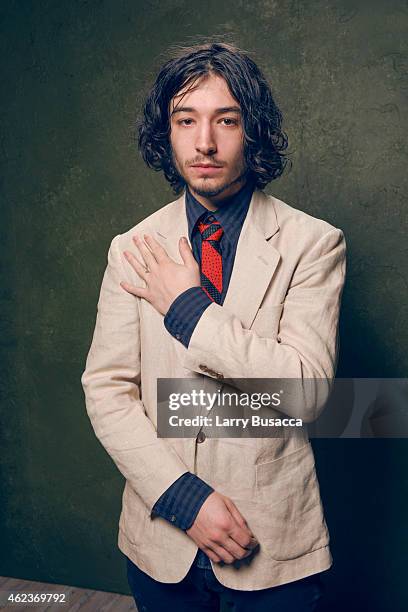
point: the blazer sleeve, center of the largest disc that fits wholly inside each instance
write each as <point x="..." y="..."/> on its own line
<point x="307" y="344"/>
<point x="111" y="383"/>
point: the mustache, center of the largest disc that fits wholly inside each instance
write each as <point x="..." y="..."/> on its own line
<point x="205" y="161"/>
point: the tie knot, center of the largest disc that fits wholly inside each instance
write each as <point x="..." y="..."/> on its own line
<point x="210" y="229"/>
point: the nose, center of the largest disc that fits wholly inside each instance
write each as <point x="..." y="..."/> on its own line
<point x="205" y="142"/>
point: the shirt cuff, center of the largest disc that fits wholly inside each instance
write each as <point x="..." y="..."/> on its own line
<point x="182" y="501"/>
<point x="185" y="312"/>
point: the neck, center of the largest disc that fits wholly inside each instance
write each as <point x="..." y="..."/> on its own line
<point x="213" y="202"/>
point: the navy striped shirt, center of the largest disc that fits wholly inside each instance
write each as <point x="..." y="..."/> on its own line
<point x="181" y="502"/>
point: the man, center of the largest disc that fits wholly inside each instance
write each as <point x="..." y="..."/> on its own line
<point x="225" y="282"/>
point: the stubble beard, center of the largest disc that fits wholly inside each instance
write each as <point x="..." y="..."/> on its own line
<point x="209" y="192"/>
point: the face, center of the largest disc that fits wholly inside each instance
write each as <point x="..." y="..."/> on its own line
<point x="206" y="136"/>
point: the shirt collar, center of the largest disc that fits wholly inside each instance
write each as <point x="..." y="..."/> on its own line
<point x="231" y="212"/>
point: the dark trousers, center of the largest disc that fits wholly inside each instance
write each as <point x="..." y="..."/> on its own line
<point x="200" y="591"/>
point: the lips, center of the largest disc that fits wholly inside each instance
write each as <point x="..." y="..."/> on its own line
<point x="206" y="170"/>
<point x="205" y="166"/>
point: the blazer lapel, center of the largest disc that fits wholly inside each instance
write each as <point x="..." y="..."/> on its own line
<point x="172" y="225"/>
<point x="255" y="260"/>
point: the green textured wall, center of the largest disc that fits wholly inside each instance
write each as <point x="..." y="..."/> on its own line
<point x="73" y="74"/>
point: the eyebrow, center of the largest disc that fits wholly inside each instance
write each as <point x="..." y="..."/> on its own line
<point x="218" y="111"/>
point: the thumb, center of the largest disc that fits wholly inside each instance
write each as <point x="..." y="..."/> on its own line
<point x="186" y="252"/>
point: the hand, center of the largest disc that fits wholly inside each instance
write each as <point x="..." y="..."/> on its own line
<point x="221" y="531"/>
<point x="165" y="279"/>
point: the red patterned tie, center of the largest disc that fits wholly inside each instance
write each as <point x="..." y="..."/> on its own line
<point x="211" y="258"/>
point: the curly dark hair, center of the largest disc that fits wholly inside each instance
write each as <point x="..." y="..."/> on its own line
<point x="264" y="140"/>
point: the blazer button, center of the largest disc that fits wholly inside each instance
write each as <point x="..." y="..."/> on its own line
<point x="201" y="437"/>
<point x="173" y="518"/>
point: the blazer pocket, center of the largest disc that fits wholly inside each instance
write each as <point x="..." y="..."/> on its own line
<point x="288" y="497"/>
<point x="266" y="322"/>
<point x="282" y="476"/>
<point x="298" y="527"/>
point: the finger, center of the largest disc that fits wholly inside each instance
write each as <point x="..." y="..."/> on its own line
<point x="158" y="251"/>
<point x="241" y="532"/>
<point x="186" y="252"/>
<point x="237" y="515"/>
<point x="243" y="538"/>
<point x="138" y="291"/>
<point x="145" y="252"/>
<point x="221" y="552"/>
<point x="237" y="551"/>
<point x="211" y="554"/>
<point x="140" y="268"/>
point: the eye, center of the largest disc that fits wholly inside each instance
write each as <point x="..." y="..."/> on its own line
<point x="229" y="121"/>
<point x="184" y="121"/>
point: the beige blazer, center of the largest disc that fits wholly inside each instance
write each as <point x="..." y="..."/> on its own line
<point x="279" y="319"/>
